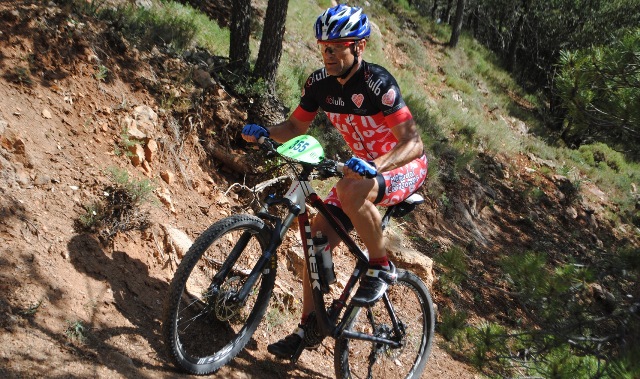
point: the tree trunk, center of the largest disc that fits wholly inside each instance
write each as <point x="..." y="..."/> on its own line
<point x="239" y="34"/>
<point x="457" y="24"/>
<point x="434" y="8"/>
<point x="446" y="16"/>
<point x="515" y="39"/>
<point x="271" y="43"/>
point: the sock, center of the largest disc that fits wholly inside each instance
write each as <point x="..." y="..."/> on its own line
<point x="303" y="318"/>
<point x="382" y="262"/>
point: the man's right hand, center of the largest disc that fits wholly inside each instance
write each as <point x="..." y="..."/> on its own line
<point x="251" y="132"/>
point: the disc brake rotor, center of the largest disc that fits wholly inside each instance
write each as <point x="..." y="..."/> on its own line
<point x="226" y="305"/>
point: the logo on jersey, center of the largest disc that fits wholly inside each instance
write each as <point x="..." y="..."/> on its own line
<point x="315" y="77"/>
<point x="338" y="101"/>
<point x="357" y="99"/>
<point x="389" y="98"/>
<point x="374" y="86"/>
<point x="367" y="75"/>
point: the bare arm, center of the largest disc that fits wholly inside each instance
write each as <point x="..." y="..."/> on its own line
<point x="284" y="131"/>
<point x="409" y="147"/>
<point x="290" y="128"/>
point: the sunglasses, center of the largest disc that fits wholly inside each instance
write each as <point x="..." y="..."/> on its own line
<point x="334" y="47"/>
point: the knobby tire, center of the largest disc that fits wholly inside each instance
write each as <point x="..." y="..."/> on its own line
<point x="413" y="306"/>
<point x="202" y="328"/>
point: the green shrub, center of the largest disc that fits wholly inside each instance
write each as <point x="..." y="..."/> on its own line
<point x="602" y="156"/>
<point x="121" y="207"/>
<point x="452" y="323"/>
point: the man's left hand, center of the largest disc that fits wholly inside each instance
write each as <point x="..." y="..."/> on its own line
<point x="362" y="167"/>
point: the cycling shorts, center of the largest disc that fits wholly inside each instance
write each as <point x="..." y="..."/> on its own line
<point x="395" y="185"/>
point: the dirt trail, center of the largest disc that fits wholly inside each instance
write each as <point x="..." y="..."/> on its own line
<point x="73" y="307"/>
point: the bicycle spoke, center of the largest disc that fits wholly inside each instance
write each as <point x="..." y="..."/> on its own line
<point x="206" y="325"/>
<point x="411" y="304"/>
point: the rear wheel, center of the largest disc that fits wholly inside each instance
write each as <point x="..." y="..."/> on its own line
<point x="412" y="304"/>
<point x="205" y="325"/>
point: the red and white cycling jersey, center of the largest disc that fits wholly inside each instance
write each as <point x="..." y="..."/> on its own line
<point x="363" y="110"/>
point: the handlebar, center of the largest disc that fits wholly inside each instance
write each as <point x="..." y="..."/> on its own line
<point x="326" y="169"/>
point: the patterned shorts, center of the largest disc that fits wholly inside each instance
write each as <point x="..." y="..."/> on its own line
<point x="395" y="185"/>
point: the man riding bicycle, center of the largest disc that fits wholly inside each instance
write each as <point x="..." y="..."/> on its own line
<point x="362" y="100"/>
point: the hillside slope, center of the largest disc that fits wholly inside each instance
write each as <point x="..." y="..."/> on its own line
<point x="71" y="306"/>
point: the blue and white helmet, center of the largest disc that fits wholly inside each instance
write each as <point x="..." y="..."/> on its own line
<point x="342" y="21"/>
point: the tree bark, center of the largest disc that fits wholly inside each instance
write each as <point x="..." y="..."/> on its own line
<point x="239" y="34"/>
<point x="271" y="43"/>
<point x="457" y="24"/>
<point x="516" y="37"/>
<point x="446" y="16"/>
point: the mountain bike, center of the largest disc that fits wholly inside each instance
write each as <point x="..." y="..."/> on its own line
<point x="222" y="287"/>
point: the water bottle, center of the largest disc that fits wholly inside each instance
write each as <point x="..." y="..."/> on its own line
<point x="321" y="244"/>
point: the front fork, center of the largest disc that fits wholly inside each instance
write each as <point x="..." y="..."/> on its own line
<point x="274" y="242"/>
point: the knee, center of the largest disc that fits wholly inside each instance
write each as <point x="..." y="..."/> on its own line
<point x="350" y="195"/>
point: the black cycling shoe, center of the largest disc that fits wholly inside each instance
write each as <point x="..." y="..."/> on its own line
<point x="374" y="283"/>
<point x="286" y="347"/>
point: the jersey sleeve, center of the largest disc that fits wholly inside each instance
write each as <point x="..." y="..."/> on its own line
<point x="308" y="102"/>
<point x="401" y="115"/>
<point x="385" y="91"/>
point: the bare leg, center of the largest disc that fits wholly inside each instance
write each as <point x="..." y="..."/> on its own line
<point x="356" y="196"/>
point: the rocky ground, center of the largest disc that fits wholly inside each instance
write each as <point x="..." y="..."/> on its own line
<point x="72" y="305"/>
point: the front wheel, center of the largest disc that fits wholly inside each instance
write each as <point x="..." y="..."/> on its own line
<point x="412" y="305"/>
<point x="205" y="324"/>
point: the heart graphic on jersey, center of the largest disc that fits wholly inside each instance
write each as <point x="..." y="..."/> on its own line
<point x="357" y="99"/>
<point x="389" y="98"/>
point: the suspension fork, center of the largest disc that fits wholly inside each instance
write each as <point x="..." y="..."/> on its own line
<point x="274" y="243"/>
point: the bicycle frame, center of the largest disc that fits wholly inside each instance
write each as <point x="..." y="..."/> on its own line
<point x="295" y="199"/>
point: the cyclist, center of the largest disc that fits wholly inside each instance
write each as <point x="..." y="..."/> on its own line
<point x="362" y="100"/>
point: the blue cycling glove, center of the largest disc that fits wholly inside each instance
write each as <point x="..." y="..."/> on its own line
<point x="255" y="131"/>
<point x="362" y="167"/>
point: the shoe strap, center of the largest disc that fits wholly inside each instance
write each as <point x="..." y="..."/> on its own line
<point x="386" y="275"/>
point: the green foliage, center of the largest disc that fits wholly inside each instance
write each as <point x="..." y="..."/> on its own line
<point x="94" y="212"/>
<point x="76" y="331"/>
<point x="452" y="324"/>
<point x="602" y="156"/>
<point x="600" y="88"/>
<point x="121" y="207"/>
<point x="101" y="73"/>
<point x="136" y="192"/>
<point x="563" y="363"/>
<point x="19" y="75"/>
<point x="173" y="25"/>
<point x="488" y="341"/>
<point x="125" y="143"/>
<point x="454" y="265"/>
<point x="330" y="138"/>
<point x="31" y="310"/>
<point x="527" y="274"/>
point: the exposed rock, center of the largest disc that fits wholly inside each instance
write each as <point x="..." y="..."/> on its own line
<point x="177" y="239"/>
<point x="165" y="198"/>
<point x="137" y="154"/>
<point x="203" y="79"/>
<point x="150" y="150"/>
<point x="168" y="177"/>
<point x="146" y="119"/>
